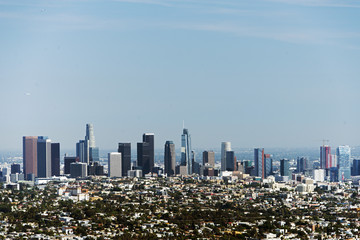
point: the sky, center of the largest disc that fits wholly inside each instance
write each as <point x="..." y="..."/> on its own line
<point x="257" y="73"/>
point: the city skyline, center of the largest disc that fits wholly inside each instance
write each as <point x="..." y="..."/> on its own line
<point x="270" y="73"/>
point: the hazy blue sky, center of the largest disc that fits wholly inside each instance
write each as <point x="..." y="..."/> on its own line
<point x="265" y="73"/>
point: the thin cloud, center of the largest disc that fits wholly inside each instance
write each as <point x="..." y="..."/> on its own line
<point x="320" y="3"/>
<point x="317" y="37"/>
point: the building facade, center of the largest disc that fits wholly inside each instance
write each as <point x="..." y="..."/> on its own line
<point x="145" y="153"/>
<point x="44" y="157"/>
<point x="230" y="161"/>
<point x="30" y="155"/>
<point x="55" y="159"/>
<point x="125" y="150"/>
<point x="169" y="158"/>
<point x="209" y="158"/>
<point x="225" y="146"/>
<point x="186" y="151"/>
<point x="344" y="162"/>
<point x="114" y="164"/>
<point x="285" y="167"/>
<point x="325" y="157"/>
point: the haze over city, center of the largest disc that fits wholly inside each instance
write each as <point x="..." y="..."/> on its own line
<point x="269" y="73"/>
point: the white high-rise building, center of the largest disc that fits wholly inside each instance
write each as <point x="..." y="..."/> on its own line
<point x="225" y="146"/>
<point x="90" y="135"/>
<point x="114" y="163"/>
<point x="319" y="175"/>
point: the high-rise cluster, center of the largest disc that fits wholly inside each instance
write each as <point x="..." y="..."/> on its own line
<point x="41" y="158"/>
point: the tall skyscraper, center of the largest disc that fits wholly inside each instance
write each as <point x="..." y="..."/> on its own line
<point x="169" y="158"/>
<point x="259" y="161"/>
<point x="30" y="155"/>
<point x="285" y="167"/>
<point x="301" y="164"/>
<point x="268" y="165"/>
<point x="82" y="151"/>
<point x="125" y="150"/>
<point x="344" y="162"/>
<point x="114" y="163"/>
<point x="325" y="157"/>
<point x="230" y="161"/>
<point x="90" y="135"/>
<point x="44" y="157"/>
<point x="225" y="146"/>
<point x="209" y="158"/>
<point x="146" y="154"/>
<point x="55" y="159"/>
<point x="93" y="150"/>
<point x="186" y="151"/>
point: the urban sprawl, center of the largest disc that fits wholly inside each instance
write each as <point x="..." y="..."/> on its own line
<point x="259" y="198"/>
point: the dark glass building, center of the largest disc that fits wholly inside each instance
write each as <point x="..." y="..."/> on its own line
<point x="15" y="168"/>
<point x="268" y="165"/>
<point x="301" y="164"/>
<point x="230" y="161"/>
<point x="67" y="162"/>
<point x="169" y="158"/>
<point x="356" y="167"/>
<point x="125" y="150"/>
<point x="334" y="174"/>
<point x="285" y="167"/>
<point x="145" y="153"/>
<point x="55" y="159"/>
<point x="43" y="157"/>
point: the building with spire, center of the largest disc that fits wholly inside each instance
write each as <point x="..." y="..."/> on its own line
<point x="186" y="151"/>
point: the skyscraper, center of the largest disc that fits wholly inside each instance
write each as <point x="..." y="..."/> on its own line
<point x="44" y="157"/>
<point x="82" y="151"/>
<point x="344" y="162"/>
<point x="125" y="150"/>
<point x="93" y="150"/>
<point x="114" y="163"/>
<point x="285" y="167"/>
<point x="268" y="165"/>
<point x="30" y="155"/>
<point x="230" y="161"/>
<point x="90" y="135"/>
<point x="225" y="146"/>
<point x="259" y="161"/>
<point x="301" y="164"/>
<point x="186" y="151"/>
<point x="325" y="157"/>
<point x="356" y="167"/>
<point x="169" y="158"/>
<point x="209" y="158"/>
<point x="67" y="162"/>
<point x="145" y="153"/>
<point x="55" y="159"/>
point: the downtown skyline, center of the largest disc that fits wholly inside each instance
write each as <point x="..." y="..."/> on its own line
<point x="269" y="73"/>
